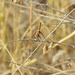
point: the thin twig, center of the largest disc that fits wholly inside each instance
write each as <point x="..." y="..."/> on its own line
<point x="41" y="42"/>
<point x="38" y="9"/>
<point x="54" y="69"/>
<point x="31" y="13"/>
<point x="71" y="58"/>
<point x="65" y="71"/>
<point x="35" y="40"/>
<point x="65" y="62"/>
<point x="47" y="6"/>
<point x="51" y="67"/>
<point x="33" y="68"/>
<point x="67" y="37"/>
<point x="31" y="20"/>
<point x="49" y="17"/>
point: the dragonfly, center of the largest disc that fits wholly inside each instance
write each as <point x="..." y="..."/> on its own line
<point x="38" y="32"/>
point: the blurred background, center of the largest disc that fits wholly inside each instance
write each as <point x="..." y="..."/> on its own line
<point x="36" y="19"/>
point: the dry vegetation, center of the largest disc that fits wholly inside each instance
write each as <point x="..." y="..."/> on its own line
<point x="21" y="20"/>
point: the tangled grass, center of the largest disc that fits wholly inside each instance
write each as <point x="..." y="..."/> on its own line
<point x="28" y="48"/>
